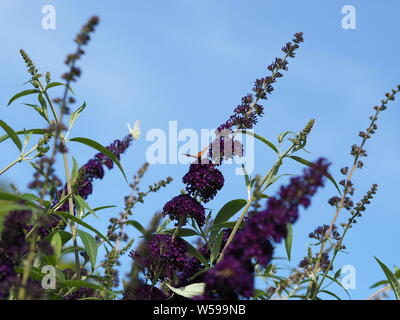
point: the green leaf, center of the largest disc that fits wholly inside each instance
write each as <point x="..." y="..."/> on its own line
<point x="75" y="115"/>
<point x="190" y="291"/>
<point x="229" y="210"/>
<point x="71" y="249"/>
<point x="283" y="135"/>
<point x="394" y="283"/>
<point x="43" y="104"/>
<point x="34" y="273"/>
<point x="331" y="294"/>
<point x="66" y="215"/>
<point x="65" y="236"/>
<point x="223" y="225"/>
<point x="12" y="134"/>
<point x="216" y="248"/>
<point x="82" y="205"/>
<point x="15" y="198"/>
<point x="195" y="253"/>
<point x="247" y="181"/>
<point x="309" y="163"/>
<point x="56" y="243"/>
<point x="54" y="84"/>
<point x="75" y="169"/>
<point x="30" y="131"/>
<point x="90" y="245"/>
<point x="83" y="284"/>
<point x="137" y="225"/>
<point x="102" y="208"/>
<point x="289" y="240"/>
<point x="99" y="147"/>
<point x="262" y="139"/>
<point x="182" y="232"/>
<point x="22" y="94"/>
<point x="379" y="283"/>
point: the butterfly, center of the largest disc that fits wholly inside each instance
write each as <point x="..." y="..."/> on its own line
<point x="199" y="154"/>
<point x="135" y="131"/>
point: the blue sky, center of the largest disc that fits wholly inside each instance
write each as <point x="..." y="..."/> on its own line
<point x="192" y="61"/>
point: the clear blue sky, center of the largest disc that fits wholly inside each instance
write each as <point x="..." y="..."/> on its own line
<point x="192" y="61"/>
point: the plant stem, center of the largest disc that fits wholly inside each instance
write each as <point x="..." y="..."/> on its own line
<point x="19" y="159"/>
<point x="67" y="175"/>
<point x="27" y="267"/>
<point x="345" y="192"/>
<point x="266" y="180"/>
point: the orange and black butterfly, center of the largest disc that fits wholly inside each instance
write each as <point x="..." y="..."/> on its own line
<point x="199" y="154"/>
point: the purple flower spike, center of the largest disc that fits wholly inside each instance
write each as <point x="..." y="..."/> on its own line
<point x="203" y="180"/>
<point x="183" y="206"/>
<point x="166" y="256"/>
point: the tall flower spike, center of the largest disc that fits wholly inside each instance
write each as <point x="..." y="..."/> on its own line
<point x="253" y="241"/>
<point x="203" y="180"/>
<point x="165" y="257"/>
<point x="182" y="207"/>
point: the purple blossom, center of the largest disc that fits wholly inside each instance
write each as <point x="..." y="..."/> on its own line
<point x="182" y="207"/>
<point x="245" y="115"/>
<point x="165" y="257"/>
<point x="117" y="147"/>
<point x="13" y="246"/>
<point x="254" y="240"/>
<point x="93" y="169"/>
<point x="229" y="279"/>
<point x="203" y="180"/>
<point x="147" y="292"/>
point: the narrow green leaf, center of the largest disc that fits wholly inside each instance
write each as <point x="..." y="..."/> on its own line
<point x="90" y="245"/>
<point x="15" y="198"/>
<point x="308" y="163"/>
<point x="43" y="104"/>
<point x="289" y="240"/>
<point x="182" y="232"/>
<point x="34" y="273"/>
<point x="394" y="283"/>
<point x="331" y="294"/>
<point x="99" y="147"/>
<point x="216" y="248"/>
<point x="229" y="210"/>
<point x="223" y="225"/>
<point x="84" y="284"/>
<point x="283" y="135"/>
<point x="54" y="84"/>
<point x="262" y="139"/>
<point x="75" y="115"/>
<point x="22" y="94"/>
<point x="65" y="236"/>
<point x="56" y="243"/>
<point x="195" y="253"/>
<point x="80" y="222"/>
<point x="136" y="225"/>
<point x="29" y="131"/>
<point x="247" y="181"/>
<point x="379" y="283"/>
<point x="74" y="174"/>
<point x="12" y="134"/>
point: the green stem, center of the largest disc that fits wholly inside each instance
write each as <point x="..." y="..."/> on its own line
<point x="19" y="159"/>
<point x="27" y="267"/>
<point x="67" y="177"/>
<point x="266" y="180"/>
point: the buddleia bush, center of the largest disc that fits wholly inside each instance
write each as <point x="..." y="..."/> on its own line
<point x="190" y="249"/>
